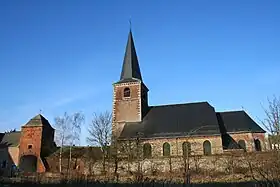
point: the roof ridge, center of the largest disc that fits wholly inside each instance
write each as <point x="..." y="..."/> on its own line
<point x="166" y="105"/>
<point x="231" y="111"/>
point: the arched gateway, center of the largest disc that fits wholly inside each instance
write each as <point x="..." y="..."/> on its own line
<point x="28" y="163"/>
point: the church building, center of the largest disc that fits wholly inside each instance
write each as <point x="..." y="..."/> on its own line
<point x="176" y="129"/>
<point x="165" y="130"/>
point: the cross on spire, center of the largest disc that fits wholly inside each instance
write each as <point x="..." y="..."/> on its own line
<point x="130" y="23"/>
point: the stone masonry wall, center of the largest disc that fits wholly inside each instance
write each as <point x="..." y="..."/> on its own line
<point x="176" y="145"/>
<point x="220" y="163"/>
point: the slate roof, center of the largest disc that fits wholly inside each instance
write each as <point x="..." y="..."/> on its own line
<point x="130" y="68"/>
<point x="189" y="119"/>
<point x="237" y="121"/>
<point x="175" y="120"/>
<point x="10" y="139"/>
<point x="38" y="120"/>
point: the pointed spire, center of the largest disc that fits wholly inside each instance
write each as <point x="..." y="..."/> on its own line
<point x="130" y="68"/>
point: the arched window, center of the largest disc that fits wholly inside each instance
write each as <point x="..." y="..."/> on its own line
<point x="126" y="92"/>
<point x="207" y="148"/>
<point x="166" y="149"/>
<point x="147" y="150"/>
<point x="242" y="144"/>
<point x="258" y="146"/>
<point x="186" y="147"/>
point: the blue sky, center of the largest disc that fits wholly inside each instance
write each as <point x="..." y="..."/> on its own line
<point x="59" y="56"/>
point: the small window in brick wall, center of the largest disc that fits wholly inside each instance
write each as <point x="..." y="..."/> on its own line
<point x="126" y="92"/>
<point x="29" y="146"/>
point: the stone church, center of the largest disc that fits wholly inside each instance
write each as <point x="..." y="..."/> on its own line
<point x="165" y="130"/>
<point x="176" y="129"/>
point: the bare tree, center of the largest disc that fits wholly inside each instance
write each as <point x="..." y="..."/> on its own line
<point x="197" y="162"/>
<point x="77" y="120"/>
<point x="92" y="154"/>
<point x="264" y="168"/>
<point x="272" y="119"/>
<point x="100" y="133"/>
<point x="132" y="150"/>
<point x="187" y="152"/>
<point x="68" y="130"/>
<point x="114" y="154"/>
<point x="128" y="150"/>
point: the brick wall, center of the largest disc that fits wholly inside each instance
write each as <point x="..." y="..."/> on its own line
<point x="262" y="139"/>
<point x="249" y="140"/>
<point x="247" y="137"/>
<point x="126" y="109"/>
<point x="30" y="141"/>
<point x="30" y="144"/>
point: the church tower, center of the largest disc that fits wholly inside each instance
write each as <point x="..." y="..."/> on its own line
<point x="130" y="97"/>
